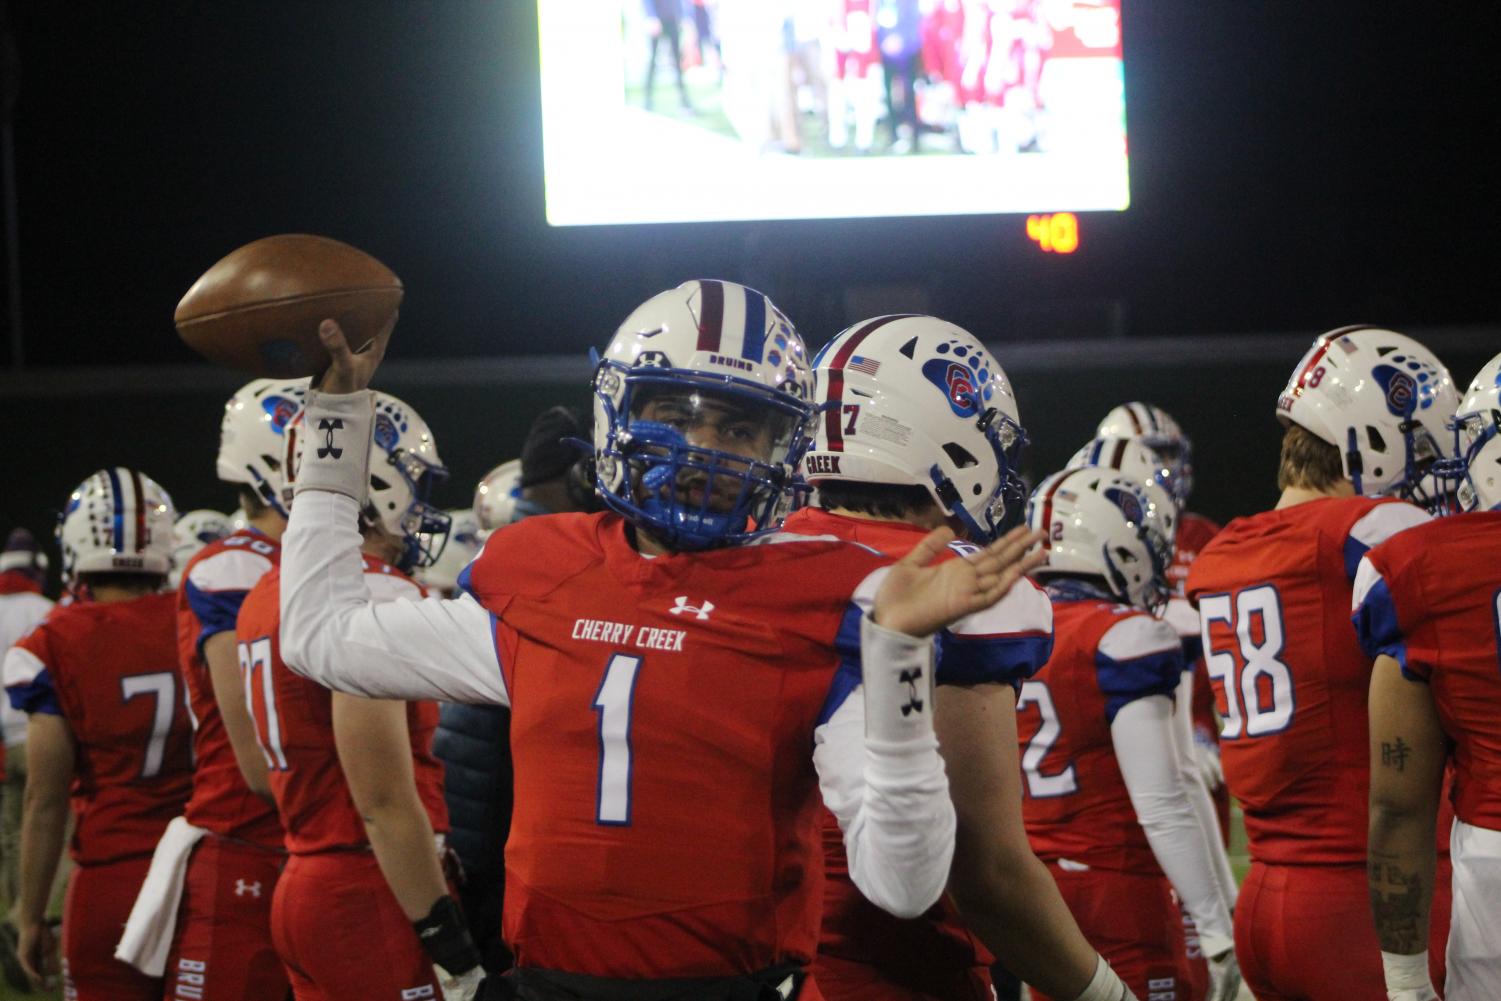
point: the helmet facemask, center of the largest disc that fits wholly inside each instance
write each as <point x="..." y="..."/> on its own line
<point x="1477" y="445"/>
<point x="398" y="501"/>
<point x="1006" y="439"/>
<point x="686" y="494"/>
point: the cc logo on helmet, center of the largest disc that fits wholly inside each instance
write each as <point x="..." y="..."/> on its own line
<point x="957" y="382"/>
<point x="1129" y="504"/>
<point x="386" y="433"/>
<point x="1401" y="389"/>
<point x="281" y="410"/>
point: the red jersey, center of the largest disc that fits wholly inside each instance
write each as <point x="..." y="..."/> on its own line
<point x="1273" y="592"/>
<point x="214" y="584"/>
<point x="294" y="723"/>
<point x="1074" y="799"/>
<point x="1431" y="599"/>
<point x="1005" y="644"/>
<point x="108" y="669"/>
<point x="662" y="728"/>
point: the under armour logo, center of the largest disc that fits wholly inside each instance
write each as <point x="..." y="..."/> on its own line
<point x="244" y="889"/>
<point x="910" y="679"/>
<point x="329" y="426"/>
<point x="681" y="605"/>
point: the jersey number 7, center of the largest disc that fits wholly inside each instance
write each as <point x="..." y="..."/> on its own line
<point x="1250" y="672"/>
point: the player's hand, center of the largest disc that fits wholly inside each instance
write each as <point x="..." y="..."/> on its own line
<point x="1224" y="976"/>
<point x="1207" y="757"/>
<point x="352" y="366"/>
<point x="1414" y="994"/>
<point x="36" y="948"/>
<point x="463" y="987"/>
<point x="918" y="599"/>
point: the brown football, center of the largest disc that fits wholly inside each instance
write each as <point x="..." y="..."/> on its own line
<point x="258" y="309"/>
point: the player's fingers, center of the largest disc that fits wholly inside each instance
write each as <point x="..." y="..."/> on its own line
<point x="929" y="548"/>
<point x="334" y="342"/>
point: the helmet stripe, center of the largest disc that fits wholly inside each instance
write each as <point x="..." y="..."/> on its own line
<point x="1047" y="512"/>
<point x="1313" y="361"/>
<point x="1118" y="455"/>
<point x="833" y="417"/>
<point x="140" y="508"/>
<point x="710" y="315"/>
<point x="753" y="346"/>
<point x="1094" y="455"/>
<point x="1135" y="421"/>
<point x="118" y="524"/>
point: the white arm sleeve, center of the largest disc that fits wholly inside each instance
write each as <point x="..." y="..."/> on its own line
<point x="404" y="649"/>
<point x="1198" y="791"/>
<point x="889" y="793"/>
<point x="1144" y="747"/>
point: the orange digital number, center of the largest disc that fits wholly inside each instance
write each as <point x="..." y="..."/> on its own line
<point x="1055" y="234"/>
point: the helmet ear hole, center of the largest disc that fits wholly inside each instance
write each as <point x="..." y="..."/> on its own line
<point x="379" y="484"/>
<point x="1377" y="442"/>
<point x="959" y="456"/>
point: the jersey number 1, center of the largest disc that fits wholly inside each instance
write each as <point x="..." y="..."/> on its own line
<point x="1268" y="705"/>
<point x="613" y="703"/>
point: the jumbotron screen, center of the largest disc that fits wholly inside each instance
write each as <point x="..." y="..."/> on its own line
<point x="706" y="110"/>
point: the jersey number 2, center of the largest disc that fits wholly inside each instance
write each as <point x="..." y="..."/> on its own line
<point x="1268" y="704"/>
<point x="613" y="703"/>
<point x="1040" y="786"/>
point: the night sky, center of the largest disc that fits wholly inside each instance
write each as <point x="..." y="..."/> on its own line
<point x="1294" y="167"/>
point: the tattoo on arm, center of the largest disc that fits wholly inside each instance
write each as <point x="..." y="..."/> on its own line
<point x="1395" y="755"/>
<point x="1399" y="902"/>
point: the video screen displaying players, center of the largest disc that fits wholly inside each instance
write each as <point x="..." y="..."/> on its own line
<point x="709" y="110"/>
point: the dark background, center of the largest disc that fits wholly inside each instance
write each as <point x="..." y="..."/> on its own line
<point x="1294" y="167"/>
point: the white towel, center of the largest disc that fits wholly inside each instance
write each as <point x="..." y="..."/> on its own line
<point x="148" y="932"/>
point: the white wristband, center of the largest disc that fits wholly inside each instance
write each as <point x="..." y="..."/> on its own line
<point x="336" y="444"/>
<point x="897" y="678"/>
<point x="1406" y="973"/>
<point x="1106" y="986"/>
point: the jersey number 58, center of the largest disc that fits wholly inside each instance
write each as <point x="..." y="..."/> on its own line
<point x="1249" y="672"/>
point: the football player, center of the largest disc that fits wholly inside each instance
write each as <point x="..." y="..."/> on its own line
<point x="192" y="532"/>
<point x="108" y="727"/>
<point x="1428" y="608"/>
<point x="1148" y="428"/>
<point x="678" y="705"/>
<point x="920" y="428"/>
<point x="357" y="787"/>
<point x="218" y="931"/>
<point x="1155" y="428"/>
<point x="23" y="574"/>
<point x="1364" y="416"/>
<point x="1108" y="800"/>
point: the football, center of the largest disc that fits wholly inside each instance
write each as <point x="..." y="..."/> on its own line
<point x="258" y="309"/>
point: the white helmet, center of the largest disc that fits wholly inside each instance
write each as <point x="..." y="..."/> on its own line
<point x="116" y="521"/>
<point x="1098" y="523"/>
<point x="404" y="467"/>
<point x="1476" y="467"/>
<point x="709" y="348"/>
<point x="192" y="532"/>
<point x="917" y="401"/>
<point x="496" y="496"/>
<point x="464" y="544"/>
<point x="252" y="444"/>
<point x="1155" y="428"/>
<point x="1134" y="460"/>
<point x="1383" y="400"/>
